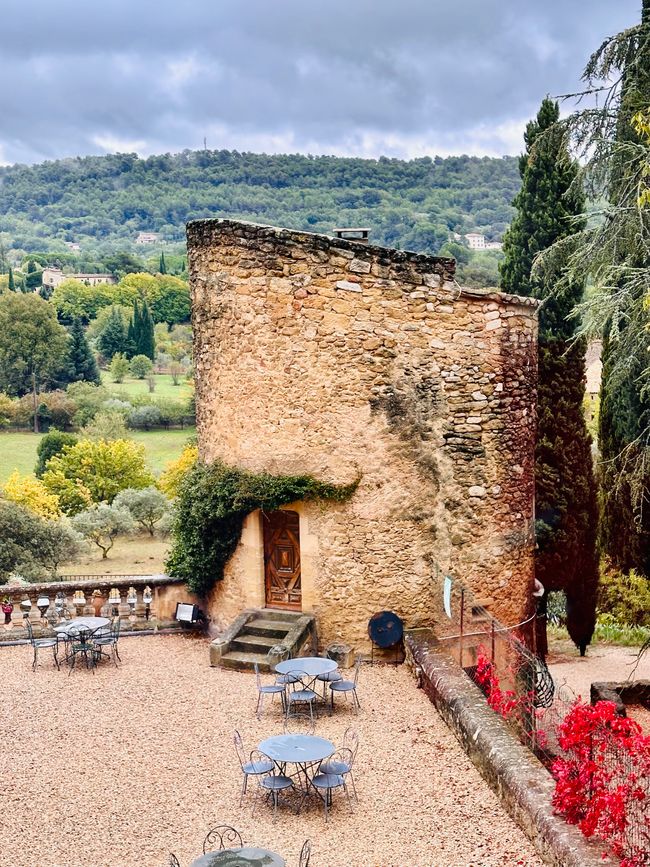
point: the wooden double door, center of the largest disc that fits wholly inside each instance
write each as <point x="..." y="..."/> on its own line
<point x="282" y="559"/>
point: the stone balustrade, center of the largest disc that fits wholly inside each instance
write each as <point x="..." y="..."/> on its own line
<point x="142" y="601"/>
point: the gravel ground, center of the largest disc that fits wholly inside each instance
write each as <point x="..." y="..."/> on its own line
<point x="121" y="767"/>
<point x="602" y="662"/>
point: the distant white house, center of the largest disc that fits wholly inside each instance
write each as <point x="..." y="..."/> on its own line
<point x="52" y="277"/>
<point x="148" y="238"/>
<point x="72" y="245"/>
<point x="476" y="241"/>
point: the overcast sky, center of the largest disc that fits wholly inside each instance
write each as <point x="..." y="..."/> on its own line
<point x="359" y="77"/>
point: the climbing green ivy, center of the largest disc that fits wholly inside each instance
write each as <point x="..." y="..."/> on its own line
<point x="213" y="501"/>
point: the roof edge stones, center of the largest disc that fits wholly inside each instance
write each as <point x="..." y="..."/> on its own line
<point x="201" y="232"/>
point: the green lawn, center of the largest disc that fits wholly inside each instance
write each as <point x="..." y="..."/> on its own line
<point x="18" y="450"/>
<point x="133" y="387"/>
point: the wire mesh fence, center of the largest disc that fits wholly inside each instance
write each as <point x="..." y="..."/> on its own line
<point x="503" y="662"/>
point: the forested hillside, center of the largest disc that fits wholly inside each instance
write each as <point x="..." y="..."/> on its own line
<point x="103" y="202"/>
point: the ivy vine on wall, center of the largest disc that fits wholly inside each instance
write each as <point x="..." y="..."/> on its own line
<point x="213" y="502"/>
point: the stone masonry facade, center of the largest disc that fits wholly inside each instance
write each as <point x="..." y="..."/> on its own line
<point x="342" y="360"/>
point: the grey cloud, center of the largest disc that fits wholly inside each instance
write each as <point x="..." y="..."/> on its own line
<point x="369" y="76"/>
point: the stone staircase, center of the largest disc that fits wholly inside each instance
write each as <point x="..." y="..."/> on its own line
<point x="255" y="632"/>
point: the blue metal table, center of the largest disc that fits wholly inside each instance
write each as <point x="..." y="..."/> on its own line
<point x="306" y="752"/>
<point x="245" y="857"/>
<point x="311" y="665"/>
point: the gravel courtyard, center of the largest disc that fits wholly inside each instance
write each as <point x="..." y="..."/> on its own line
<point x="121" y="767"/>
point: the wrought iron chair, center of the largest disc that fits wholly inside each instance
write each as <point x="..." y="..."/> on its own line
<point x="342" y="761"/>
<point x="40" y="643"/>
<point x="326" y="783"/>
<point x="108" y="639"/>
<point x="299" y="724"/>
<point x="348" y="686"/>
<point x="329" y="677"/>
<point x="173" y="861"/>
<point x="82" y="643"/>
<point x="305" y="854"/>
<point x="224" y="835"/>
<point x="249" y="768"/>
<point x="270" y="784"/>
<point x="271" y="689"/>
<point x="300" y="693"/>
<point x="281" y="652"/>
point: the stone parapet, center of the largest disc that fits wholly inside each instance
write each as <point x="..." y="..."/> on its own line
<point x="142" y="601"/>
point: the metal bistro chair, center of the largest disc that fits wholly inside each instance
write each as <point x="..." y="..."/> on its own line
<point x="342" y="761"/>
<point x="271" y="689"/>
<point x="281" y="652"/>
<point x="173" y="861"/>
<point x="300" y="693"/>
<point x="224" y="835"/>
<point x="109" y="639"/>
<point x="249" y="768"/>
<point x="329" y="677"/>
<point x="326" y="783"/>
<point x="305" y="854"/>
<point x="346" y="686"/>
<point x="38" y="643"/>
<point x="82" y="643"/>
<point x="271" y="784"/>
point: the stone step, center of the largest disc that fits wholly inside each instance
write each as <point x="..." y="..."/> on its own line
<point x="242" y="661"/>
<point x="271" y="628"/>
<point x="283" y="614"/>
<point x="253" y="643"/>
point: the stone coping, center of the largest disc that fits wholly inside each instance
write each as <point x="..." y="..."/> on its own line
<point x="523" y="785"/>
<point x="87" y="582"/>
<point x="201" y="232"/>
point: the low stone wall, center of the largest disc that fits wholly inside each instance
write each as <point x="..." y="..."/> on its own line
<point x="523" y="785"/>
<point x="142" y="601"/>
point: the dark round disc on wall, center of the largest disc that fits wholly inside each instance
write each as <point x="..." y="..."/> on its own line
<point x="385" y="628"/>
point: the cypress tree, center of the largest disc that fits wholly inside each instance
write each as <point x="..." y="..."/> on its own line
<point x="131" y="341"/>
<point x="113" y="337"/>
<point x="12" y="283"/>
<point x="146" y="340"/>
<point x="162" y="267"/>
<point x="548" y="209"/>
<point x="624" y="395"/>
<point x="82" y="364"/>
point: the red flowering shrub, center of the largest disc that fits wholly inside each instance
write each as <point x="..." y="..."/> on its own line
<point x="507" y="702"/>
<point x="603" y="782"/>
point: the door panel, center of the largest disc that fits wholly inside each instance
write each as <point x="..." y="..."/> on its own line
<point x="282" y="559"/>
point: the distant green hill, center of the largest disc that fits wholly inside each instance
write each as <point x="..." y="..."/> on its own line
<point x="103" y="202"/>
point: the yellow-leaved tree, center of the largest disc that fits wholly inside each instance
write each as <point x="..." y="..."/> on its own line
<point x="32" y="494"/>
<point x="95" y="471"/>
<point x="173" y="474"/>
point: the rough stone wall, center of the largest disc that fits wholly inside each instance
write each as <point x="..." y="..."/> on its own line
<point x="338" y="359"/>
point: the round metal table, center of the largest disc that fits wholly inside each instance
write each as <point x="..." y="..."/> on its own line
<point x="82" y="624"/>
<point x="246" y="857"/>
<point x="311" y="665"/>
<point x="297" y="749"/>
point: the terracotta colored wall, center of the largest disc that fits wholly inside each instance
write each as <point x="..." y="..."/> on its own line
<point x="327" y="357"/>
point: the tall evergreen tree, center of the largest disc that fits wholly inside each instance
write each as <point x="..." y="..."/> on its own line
<point x="548" y="208"/>
<point x="131" y="333"/>
<point x="162" y="267"/>
<point x="113" y="338"/>
<point x="12" y="282"/>
<point x="146" y="339"/>
<point x="624" y="419"/>
<point x="82" y="365"/>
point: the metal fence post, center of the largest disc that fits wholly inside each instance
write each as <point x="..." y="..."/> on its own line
<point x="462" y="622"/>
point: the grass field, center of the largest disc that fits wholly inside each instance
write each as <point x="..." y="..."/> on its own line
<point x="135" y="387"/>
<point x="130" y="555"/>
<point x="18" y="450"/>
